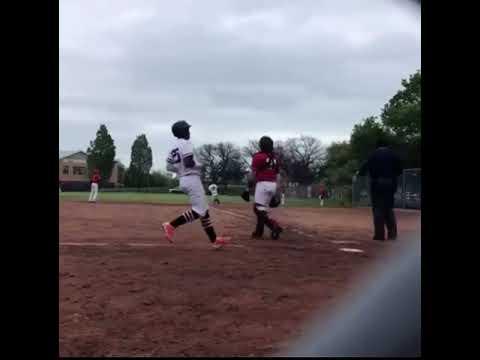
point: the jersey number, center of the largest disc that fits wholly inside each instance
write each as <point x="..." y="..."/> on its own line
<point x="271" y="163"/>
<point x="175" y="156"/>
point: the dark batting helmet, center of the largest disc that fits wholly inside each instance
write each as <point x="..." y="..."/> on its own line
<point x="266" y="144"/>
<point x="180" y="129"/>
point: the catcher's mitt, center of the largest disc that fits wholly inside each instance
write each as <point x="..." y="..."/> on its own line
<point x="275" y="201"/>
<point x="245" y="195"/>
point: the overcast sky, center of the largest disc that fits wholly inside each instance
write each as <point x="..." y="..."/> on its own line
<point x="236" y="70"/>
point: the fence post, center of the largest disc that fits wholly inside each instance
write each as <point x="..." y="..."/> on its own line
<point x="404" y="186"/>
<point x="353" y="191"/>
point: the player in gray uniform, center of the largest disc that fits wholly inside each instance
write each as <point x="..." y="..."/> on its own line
<point x="181" y="160"/>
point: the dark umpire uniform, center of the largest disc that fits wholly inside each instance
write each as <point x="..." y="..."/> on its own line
<point x="383" y="167"/>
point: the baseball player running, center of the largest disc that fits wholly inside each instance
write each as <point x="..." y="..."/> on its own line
<point x="214" y="191"/>
<point x="94" y="186"/>
<point x="265" y="172"/>
<point x="182" y="161"/>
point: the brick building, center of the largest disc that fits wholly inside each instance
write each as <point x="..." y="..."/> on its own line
<point x="73" y="172"/>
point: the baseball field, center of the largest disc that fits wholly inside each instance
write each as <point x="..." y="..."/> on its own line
<point x="126" y="291"/>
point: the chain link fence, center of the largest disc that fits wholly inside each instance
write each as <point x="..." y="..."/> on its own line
<point x="341" y="195"/>
<point x="408" y="195"/>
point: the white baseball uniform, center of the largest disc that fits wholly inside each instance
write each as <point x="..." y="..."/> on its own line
<point x="190" y="182"/>
<point x="213" y="190"/>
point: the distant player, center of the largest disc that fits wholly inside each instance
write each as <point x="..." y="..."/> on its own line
<point x="322" y="196"/>
<point x="94" y="186"/>
<point x="214" y="191"/>
<point x="282" y="201"/>
<point x="181" y="160"/>
<point x="265" y="173"/>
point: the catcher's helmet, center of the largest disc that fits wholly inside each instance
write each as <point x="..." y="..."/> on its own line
<point x="266" y="144"/>
<point x="180" y="129"/>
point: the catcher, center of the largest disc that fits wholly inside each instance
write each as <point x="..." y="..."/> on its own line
<point x="263" y="178"/>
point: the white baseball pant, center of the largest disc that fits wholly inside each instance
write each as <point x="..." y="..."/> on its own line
<point x="93" y="192"/>
<point x="193" y="187"/>
<point x="264" y="191"/>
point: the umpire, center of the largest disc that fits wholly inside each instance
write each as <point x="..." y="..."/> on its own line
<point x="383" y="167"/>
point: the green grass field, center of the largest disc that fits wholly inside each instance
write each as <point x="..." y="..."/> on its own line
<point x="149" y="198"/>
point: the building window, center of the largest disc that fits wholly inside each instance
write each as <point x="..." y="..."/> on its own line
<point x="66" y="170"/>
<point x="78" y="170"/>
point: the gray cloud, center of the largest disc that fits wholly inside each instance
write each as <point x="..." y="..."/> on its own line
<point x="234" y="69"/>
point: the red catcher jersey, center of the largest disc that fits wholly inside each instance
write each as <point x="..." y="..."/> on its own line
<point x="265" y="166"/>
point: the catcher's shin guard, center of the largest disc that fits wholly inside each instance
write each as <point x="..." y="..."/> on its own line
<point x="261" y="219"/>
<point x="275" y="228"/>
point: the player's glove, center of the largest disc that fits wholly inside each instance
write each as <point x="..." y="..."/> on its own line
<point x="275" y="201"/>
<point x="245" y="195"/>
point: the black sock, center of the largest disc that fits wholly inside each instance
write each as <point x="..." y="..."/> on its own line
<point x="208" y="227"/>
<point x="187" y="216"/>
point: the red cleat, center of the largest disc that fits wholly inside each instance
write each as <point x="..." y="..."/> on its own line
<point x="220" y="242"/>
<point x="169" y="231"/>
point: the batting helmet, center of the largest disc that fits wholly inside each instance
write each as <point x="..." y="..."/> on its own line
<point x="266" y="144"/>
<point x="180" y="129"/>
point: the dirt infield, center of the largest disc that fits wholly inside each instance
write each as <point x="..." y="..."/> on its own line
<point x="125" y="291"/>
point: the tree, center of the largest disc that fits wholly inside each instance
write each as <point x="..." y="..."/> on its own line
<point x="231" y="167"/>
<point x="250" y="149"/>
<point x="159" y="179"/>
<point x="140" y="162"/>
<point x="284" y="159"/>
<point x="365" y="135"/>
<point x="340" y="164"/>
<point x="303" y="158"/>
<point x="222" y="163"/>
<point x="402" y="113"/>
<point x="402" y="116"/>
<point x="127" y="179"/>
<point x="210" y="164"/>
<point x="101" y="154"/>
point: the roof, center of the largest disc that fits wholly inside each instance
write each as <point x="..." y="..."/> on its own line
<point x="62" y="154"/>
